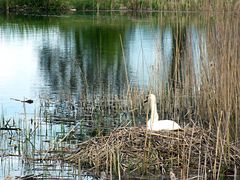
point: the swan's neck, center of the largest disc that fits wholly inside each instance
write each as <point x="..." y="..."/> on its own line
<point x="154" y="114"/>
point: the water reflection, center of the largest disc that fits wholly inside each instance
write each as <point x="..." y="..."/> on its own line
<point x="82" y="56"/>
<point x="88" y="56"/>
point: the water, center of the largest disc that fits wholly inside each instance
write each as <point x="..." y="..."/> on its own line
<point x="72" y="54"/>
<point x="82" y="56"/>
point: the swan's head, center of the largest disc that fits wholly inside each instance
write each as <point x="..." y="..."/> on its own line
<point x="150" y="98"/>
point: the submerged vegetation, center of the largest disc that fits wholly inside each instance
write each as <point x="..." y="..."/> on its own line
<point x="135" y="5"/>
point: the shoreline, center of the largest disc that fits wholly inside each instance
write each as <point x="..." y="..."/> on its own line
<point x="65" y="9"/>
<point x="42" y="11"/>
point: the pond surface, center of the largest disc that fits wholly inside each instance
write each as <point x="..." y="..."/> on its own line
<point x="84" y="55"/>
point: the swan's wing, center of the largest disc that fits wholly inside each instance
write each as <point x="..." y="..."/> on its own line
<point x="165" y="125"/>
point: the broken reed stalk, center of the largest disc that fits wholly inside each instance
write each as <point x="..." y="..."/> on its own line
<point x="55" y="142"/>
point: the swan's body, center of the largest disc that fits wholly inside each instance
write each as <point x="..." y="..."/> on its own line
<point x="162" y="125"/>
<point x="154" y="124"/>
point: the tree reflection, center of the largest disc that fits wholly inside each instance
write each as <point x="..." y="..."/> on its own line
<point x="87" y="56"/>
<point x="84" y="55"/>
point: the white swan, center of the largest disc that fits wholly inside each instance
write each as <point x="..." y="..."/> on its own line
<point x="153" y="123"/>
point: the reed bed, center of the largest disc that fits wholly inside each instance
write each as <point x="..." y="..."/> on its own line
<point x="120" y="5"/>
<point x="135" y="151"/>
<point x="208" y="96"/>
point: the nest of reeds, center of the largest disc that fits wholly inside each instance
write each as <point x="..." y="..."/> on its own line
<point x="133" y="150"/>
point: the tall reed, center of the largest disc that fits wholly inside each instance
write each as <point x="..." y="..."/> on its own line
<point x="207" y="93"/>
<point x="224" y="79"/>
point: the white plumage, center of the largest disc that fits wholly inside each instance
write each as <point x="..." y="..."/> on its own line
<point x="153" y="123"/>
